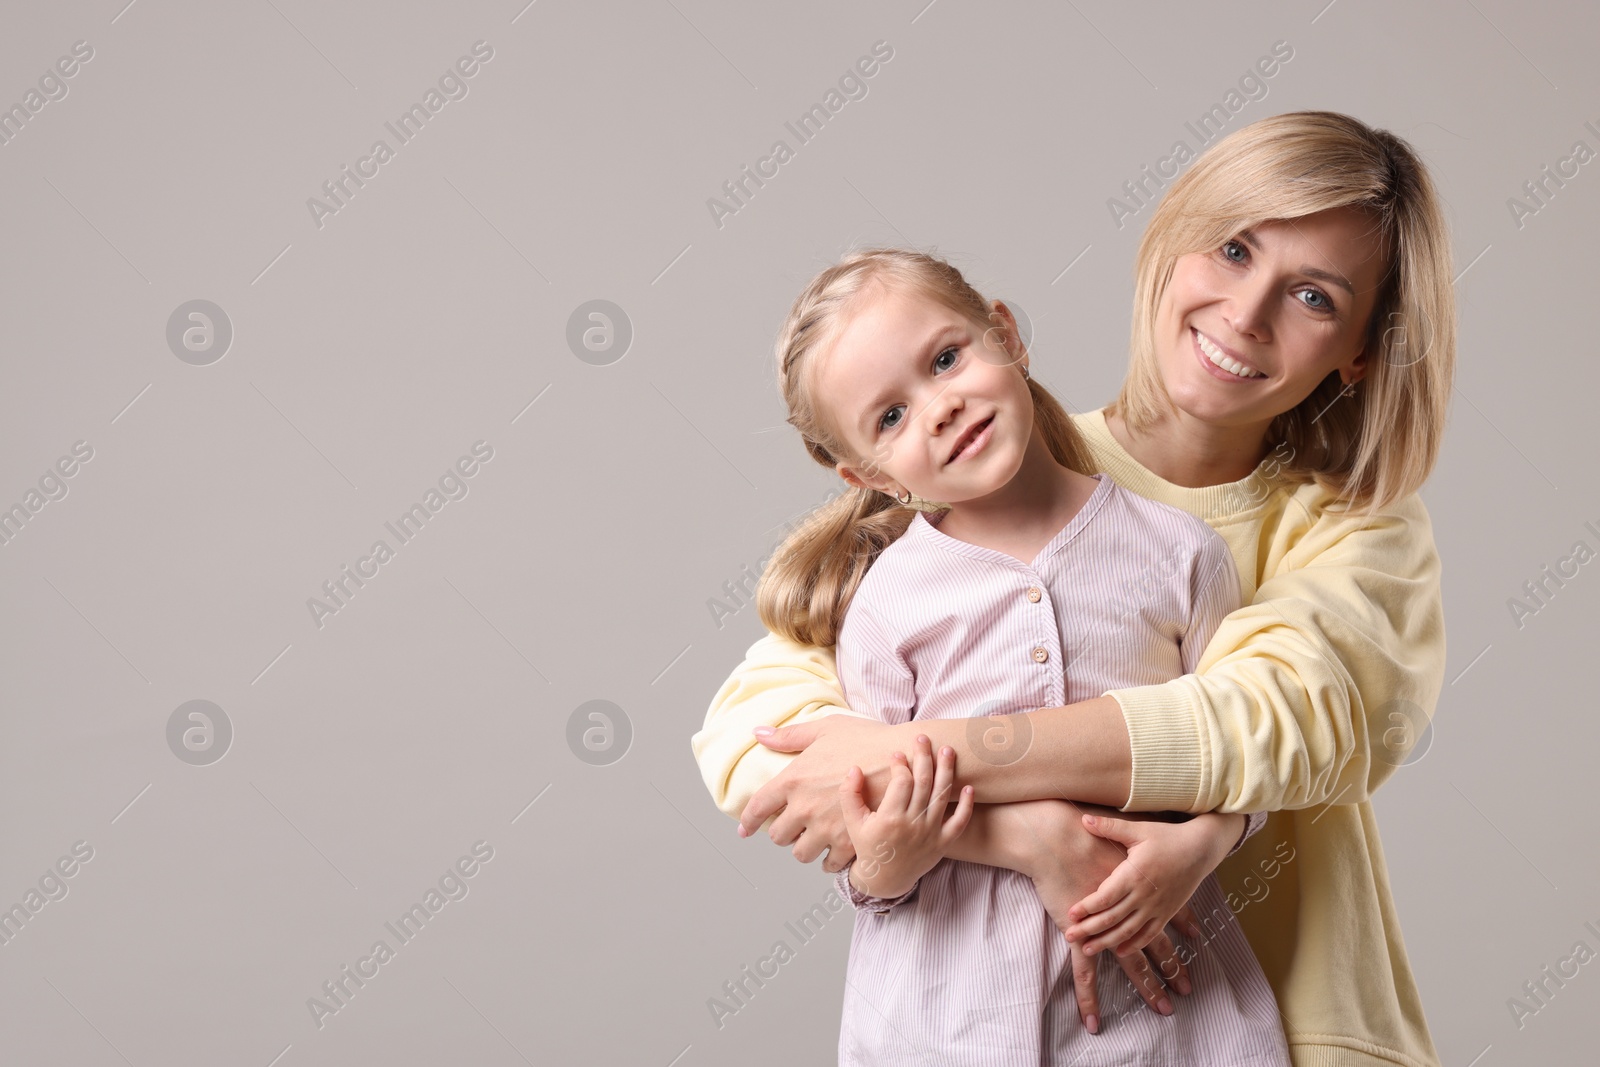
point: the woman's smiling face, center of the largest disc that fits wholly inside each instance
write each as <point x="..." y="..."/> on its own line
<point x="1286" y="303"/>
<point x="907" y="381"/>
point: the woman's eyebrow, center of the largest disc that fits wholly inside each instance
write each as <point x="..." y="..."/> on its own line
<point x="1331" y="277"/>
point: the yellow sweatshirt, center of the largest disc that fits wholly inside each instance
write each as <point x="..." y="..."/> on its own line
<point x="1305" y="701"/>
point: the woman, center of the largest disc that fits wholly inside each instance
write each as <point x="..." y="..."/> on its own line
<point x="1291" y="365"/>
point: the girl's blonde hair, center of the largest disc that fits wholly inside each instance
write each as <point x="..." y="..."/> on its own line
<point x="1381" y="444"/>
<point x="805" y="589"/>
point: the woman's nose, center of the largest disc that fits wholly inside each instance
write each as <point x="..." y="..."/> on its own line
<point x="1247" y="311"/>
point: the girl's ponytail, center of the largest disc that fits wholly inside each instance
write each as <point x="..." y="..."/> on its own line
<point x="812" y="576"/>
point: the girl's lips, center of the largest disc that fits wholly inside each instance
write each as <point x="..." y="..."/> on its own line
<point x="977" y="443"/>
<point x="1211" y="368"/>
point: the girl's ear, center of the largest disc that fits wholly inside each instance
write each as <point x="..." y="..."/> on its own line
<point x="861" y="480"/>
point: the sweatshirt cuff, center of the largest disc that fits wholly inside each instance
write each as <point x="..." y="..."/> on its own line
<point x="1165" y="740"/>
<point x="863" y="902"/>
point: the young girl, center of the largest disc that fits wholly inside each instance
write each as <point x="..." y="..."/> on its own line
<point x="1034" y="584"/>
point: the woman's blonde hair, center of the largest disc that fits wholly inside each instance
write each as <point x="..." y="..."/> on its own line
<point x="1381" y="444"/>
<point x="807" y="585"/>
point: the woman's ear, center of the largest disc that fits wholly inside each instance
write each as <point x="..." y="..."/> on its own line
<point x="1355" y="370"/>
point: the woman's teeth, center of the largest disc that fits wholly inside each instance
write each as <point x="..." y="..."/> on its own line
<point x="1214" y="354"/>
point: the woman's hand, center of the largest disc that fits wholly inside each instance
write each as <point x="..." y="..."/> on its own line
<point x="1066" y="862"/>
<point x="909" y="832"/>
<point x="1166" y="864"/>
<point x="805" y="794"/>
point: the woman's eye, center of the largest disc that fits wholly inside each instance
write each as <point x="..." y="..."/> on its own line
<point x="1316" y="300"/>
<point x="1234" y="251"/>
<point x="884" y="423"/>
<point x="952" y="353"/>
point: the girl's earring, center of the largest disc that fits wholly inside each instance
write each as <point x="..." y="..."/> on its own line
<point x="904" y="499"/>
<point x="1024" y="370"/>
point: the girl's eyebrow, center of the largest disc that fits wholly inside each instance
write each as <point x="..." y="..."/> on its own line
<point x="883" y="394"/>
<point x="1311" y="272"/>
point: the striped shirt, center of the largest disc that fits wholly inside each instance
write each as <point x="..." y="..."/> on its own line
<point x="967" y="968"/>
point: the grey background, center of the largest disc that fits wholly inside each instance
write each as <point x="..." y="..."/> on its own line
<point x="429" y="313"/>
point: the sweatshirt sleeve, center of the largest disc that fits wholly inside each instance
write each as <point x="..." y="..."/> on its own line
<point x="1312" y="693"/>
<point x="780" y="683"/>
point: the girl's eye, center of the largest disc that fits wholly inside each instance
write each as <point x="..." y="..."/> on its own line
<point x="1316" y="300"/>
<point x="889" y="419"/>
<point x="1235" y="251"/>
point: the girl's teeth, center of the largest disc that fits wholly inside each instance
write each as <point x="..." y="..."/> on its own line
<point x="1215" y="355"/>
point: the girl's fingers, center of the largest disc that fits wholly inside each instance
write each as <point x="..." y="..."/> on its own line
<point x="1141" y="937"/>
<point x="899" y="791"/>
<point x="1117" y="935"/>
<point x="1118" y="885"/>
<point x="956" y="825"/>
<point x="1086" y="989"/>
<point x="1100" y="921"/>
<point x="851" y="805"/>
<point x="944" y="774"/>
<point x="922" y="775"/>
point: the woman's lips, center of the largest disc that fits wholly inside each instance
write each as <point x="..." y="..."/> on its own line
<point x="1211" y="368"/>
<point x="986" y="428"/>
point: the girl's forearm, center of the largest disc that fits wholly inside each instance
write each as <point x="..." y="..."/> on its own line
<point x="1080" y="751"/>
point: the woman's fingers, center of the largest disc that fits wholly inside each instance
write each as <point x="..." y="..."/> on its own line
<point x="1084" y="987"/>
<point x="1144" y="979"/>
<point x="1169" y="962"/>
<point x="1185" y="921"/>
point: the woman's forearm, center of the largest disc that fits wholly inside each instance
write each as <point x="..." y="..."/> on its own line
<point x="1080" y="751"/>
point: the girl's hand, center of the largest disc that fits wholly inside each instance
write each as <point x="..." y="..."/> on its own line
<point x="1166" y="864"/>
<point x="909" y="832"/>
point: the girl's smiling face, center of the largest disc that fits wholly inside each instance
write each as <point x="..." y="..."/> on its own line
<point x="924" y="398"/>
<point x="1286" y="303"/>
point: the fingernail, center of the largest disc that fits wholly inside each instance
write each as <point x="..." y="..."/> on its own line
<point x="1183" y="985"/>
<point x="1165" y="1006"/>
<point x="763" y="731"/>
<point x="1093" y="1023"/>
<point x="1090" y="819"/>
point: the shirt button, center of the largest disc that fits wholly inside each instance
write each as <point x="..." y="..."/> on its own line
<point x="1033" y="593"/>
<point x="1040" y="655"/>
